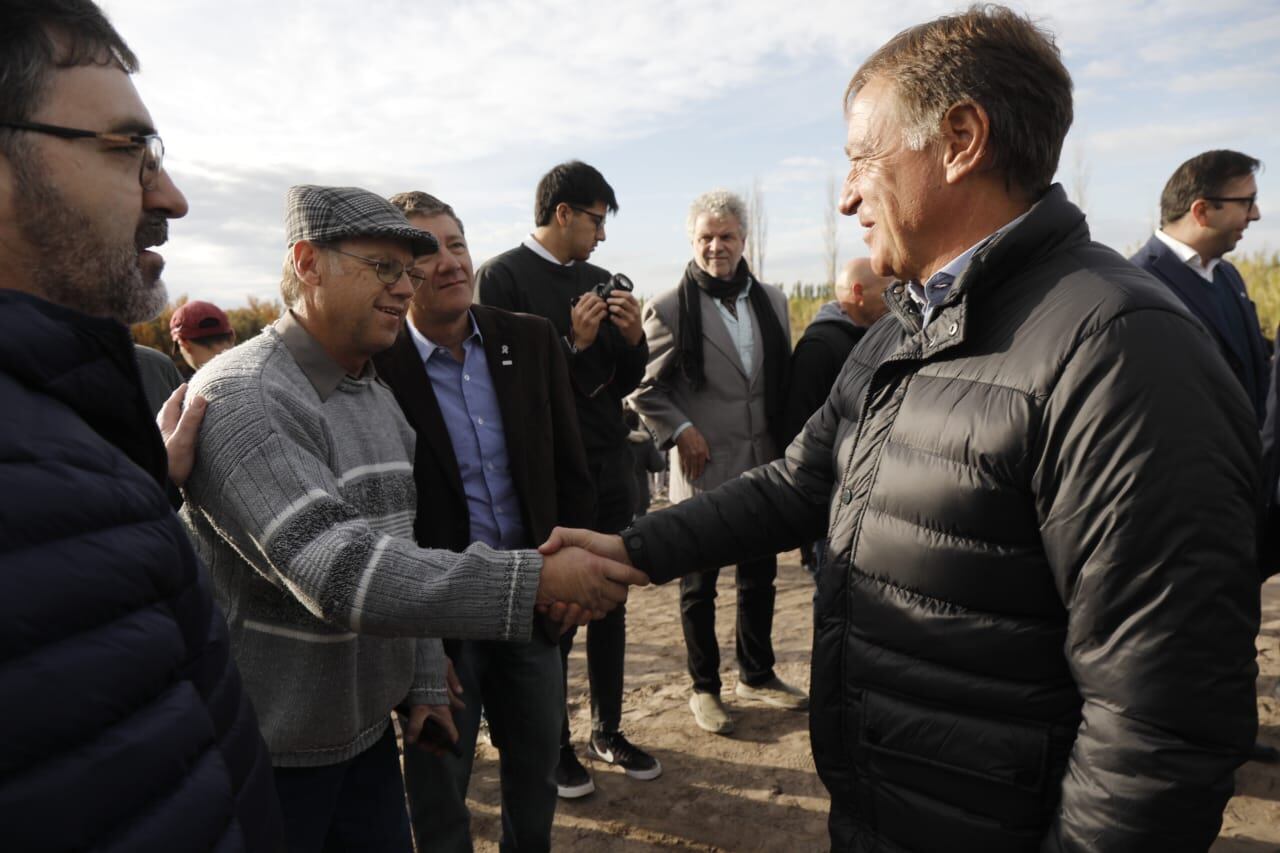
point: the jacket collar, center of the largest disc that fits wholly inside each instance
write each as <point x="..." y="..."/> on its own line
<point x="88" y="364"/>
<point x="1051" y="223"/>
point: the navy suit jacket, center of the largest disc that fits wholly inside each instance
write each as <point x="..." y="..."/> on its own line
<point x="1249" y="359"/>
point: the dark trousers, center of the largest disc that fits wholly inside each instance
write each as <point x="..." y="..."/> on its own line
<point x="607" y="637"/>
<point x="357" y="805"/>
<point x="755" y="624"/>
<point x="519" y="685"/>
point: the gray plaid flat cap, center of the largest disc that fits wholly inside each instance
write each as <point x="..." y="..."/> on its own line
<point x="328" y="214"/>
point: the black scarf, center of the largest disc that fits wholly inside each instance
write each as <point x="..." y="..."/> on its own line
<point x="688" y="358"/>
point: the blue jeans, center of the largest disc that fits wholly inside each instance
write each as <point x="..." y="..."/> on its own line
<point x="356" y="806"/>
<point x="519" y="685"/>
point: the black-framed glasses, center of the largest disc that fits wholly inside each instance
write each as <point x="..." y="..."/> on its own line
<point x="1247" y="200"/>
<point x="388" y="272"/>
<point x="150" y="143"/>
<point x="597" y="218"/>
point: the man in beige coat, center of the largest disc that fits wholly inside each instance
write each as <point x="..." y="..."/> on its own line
<point x="719" y="344"/>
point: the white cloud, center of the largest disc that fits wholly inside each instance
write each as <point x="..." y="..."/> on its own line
<point x="473" y="100"/>
<point x="1149" y="140"/>
<point x="1238" y="79"/>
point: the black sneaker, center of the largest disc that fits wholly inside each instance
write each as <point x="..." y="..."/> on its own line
<point x="614" y="748"/>
<point x="572" y="779"/>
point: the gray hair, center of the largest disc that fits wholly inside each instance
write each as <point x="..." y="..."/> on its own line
<point x="290" y="284"/>
<point x="991" y="56"/>
<point x="718" y="203"/>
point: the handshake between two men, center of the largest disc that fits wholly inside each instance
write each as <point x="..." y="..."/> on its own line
<point x="584" y="576"/>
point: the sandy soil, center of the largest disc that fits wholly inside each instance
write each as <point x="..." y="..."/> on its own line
<point x="757" y="790"/>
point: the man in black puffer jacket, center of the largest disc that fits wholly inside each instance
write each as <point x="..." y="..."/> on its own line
<point x="125" y="726"/>
<point x="1040" y="485"/>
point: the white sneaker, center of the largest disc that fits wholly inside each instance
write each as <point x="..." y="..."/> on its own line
<point x="710" y="713"/>
<point x="774" y="692"/>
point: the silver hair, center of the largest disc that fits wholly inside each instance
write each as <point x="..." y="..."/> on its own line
<point x="290" y="284"/>
<point x="718" y="203"/>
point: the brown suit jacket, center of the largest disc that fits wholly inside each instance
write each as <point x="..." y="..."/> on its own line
<point x="548" y="464"/>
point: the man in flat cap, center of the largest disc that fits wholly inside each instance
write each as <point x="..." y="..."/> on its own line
<point x="302" y="503"/>
<point x="200" y="331"/>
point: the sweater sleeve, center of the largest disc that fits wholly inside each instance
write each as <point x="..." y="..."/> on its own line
<point x="496" y="287"/>
<point x="262" y="483"/>
<point x="630" y="363"/>
<point x="575" y="491"/>
<point x="429" y="668"/>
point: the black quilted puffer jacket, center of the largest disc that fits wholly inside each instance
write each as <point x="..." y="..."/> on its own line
<point x="1037" y="628"/>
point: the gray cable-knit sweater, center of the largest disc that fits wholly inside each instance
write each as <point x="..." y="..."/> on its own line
<point x="302" y="504"/>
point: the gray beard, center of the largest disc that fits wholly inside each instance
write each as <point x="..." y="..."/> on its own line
<point x="75" y="266"/>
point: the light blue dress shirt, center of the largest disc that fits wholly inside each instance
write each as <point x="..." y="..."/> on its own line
<point x="742" y="333"/>
<point x="473" y="419"/>
<point x="930" y="294"/>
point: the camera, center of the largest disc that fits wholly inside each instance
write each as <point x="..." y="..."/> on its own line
<point x="605" y="289"/>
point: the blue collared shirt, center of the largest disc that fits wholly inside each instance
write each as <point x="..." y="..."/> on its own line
<point x="739" y="326"/>
<point x="930" y="294"/>
<point x="742" y="333"/>
<point x="469" y="405"/>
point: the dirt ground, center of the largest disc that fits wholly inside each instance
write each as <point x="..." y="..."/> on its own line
<point x="757" y="790"/>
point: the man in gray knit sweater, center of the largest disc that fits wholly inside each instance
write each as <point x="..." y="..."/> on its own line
<point x="302" y="504"/>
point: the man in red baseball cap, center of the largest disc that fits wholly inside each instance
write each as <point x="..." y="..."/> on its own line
<point x="200" y="330"/>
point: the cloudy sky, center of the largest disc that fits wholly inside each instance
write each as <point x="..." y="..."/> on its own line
<point x="474" y="101"/>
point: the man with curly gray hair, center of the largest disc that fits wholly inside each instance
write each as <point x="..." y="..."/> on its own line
<point x="719" y="343"/>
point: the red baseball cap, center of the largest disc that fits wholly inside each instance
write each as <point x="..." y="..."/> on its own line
<point x="194" y="320"/>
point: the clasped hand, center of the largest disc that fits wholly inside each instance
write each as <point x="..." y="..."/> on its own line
<point x="584" y="576"/>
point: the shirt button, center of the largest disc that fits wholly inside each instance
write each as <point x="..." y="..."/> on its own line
<point x="466" y="376"/>
<point x="955" y="327"/>
<point x="846" y="497"/>
<point x="480" y="421"/>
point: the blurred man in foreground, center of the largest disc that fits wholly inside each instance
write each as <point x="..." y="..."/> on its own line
<point x="126" y="726"/>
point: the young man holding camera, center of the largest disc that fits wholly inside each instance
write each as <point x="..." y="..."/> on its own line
<point x="604" y="343"/>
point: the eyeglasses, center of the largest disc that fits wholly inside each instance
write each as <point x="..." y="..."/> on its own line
<point x="150" y="143"/>
<point x="597" y="218"/>
<point x="388" y="272"/>
<point x="1247" y="200"/>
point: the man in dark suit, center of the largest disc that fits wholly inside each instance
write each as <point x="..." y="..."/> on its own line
<point x="499" y="460"/>
<point x="1204" y="211"/>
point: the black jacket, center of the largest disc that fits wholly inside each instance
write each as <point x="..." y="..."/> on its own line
<point x="1037" y="627"/>
<point x="548" y="467"/>
<point x="124" y="723"/>
<point x="815" y="364"/>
